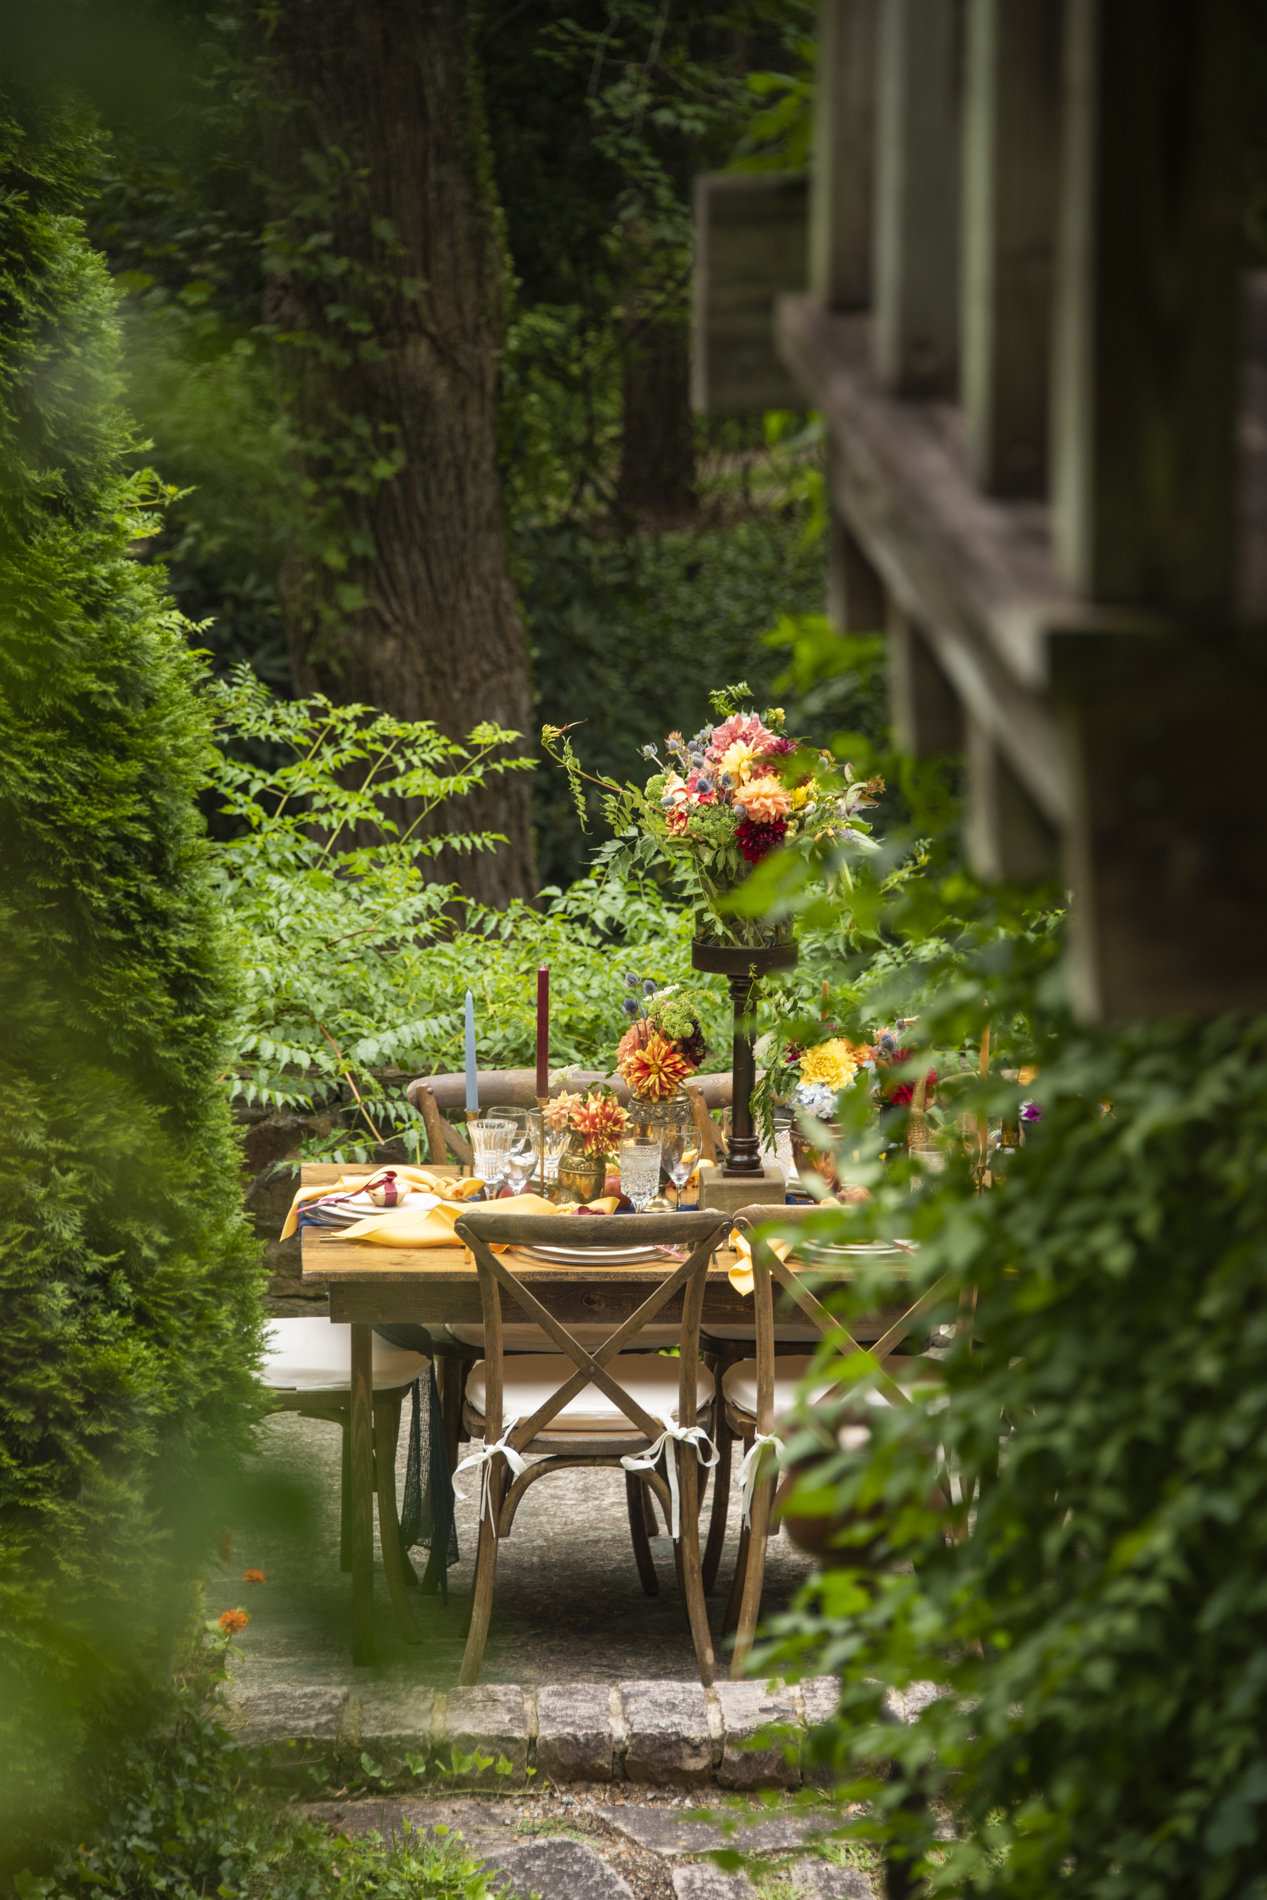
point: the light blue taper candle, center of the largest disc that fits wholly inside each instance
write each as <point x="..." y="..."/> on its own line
<point x="472" y="1084"/>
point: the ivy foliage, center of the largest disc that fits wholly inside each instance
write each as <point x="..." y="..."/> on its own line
<point x="127" y="1280"/>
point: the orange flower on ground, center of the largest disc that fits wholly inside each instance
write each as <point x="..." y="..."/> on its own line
<point x="233" y="1622"/>
<point x="656" y="1070"/>
<point x="253" y="1577"/>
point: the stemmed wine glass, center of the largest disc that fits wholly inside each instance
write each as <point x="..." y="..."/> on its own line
<point x="640" y="1168"/>
<point x="680" y="1152"/>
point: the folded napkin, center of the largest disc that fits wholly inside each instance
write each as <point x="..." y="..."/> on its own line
<point x="402" y="1182"/>
<point x="740" y="1275"/>
<point x="433" y="1226"/>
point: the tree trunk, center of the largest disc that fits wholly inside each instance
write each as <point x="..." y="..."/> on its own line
<point x="657" y="457"/>
<point x="387" y="281"/>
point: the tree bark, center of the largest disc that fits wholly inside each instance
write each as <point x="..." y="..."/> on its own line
<point x="657" y="457"/>
<point x="386" y="287"/>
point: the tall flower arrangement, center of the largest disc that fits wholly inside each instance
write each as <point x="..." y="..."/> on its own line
<point x="721" y="801"/>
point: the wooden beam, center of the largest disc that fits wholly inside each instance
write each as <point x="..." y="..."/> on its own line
<point x="751" y="241"/>
<point x="1152" y="199"/>
<point x="842" y="183"/>
<point x="1011" y="166"/>
<point x="917" y="171"/>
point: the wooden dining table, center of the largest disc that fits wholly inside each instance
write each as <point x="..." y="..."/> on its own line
<point x="371" y="1285"/>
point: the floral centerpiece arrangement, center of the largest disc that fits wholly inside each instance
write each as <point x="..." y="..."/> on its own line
<point x="808" y="1071"/>
<point x="720" y="802"/>
<point x="664" y="1043"/>
<point x="596" y="1121"/>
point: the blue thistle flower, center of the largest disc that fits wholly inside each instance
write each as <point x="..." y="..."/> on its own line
<point x="741" y="812"/>
<point x="648" y="986"/>
<point x="631" y="980"/>
<point x="630" y="1006"/>
<point x="704" y="784"/>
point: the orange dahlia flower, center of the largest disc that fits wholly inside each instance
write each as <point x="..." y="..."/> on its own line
<point x="765" y="800"/>
<point x="233" y="1622"/>
<point x="254" y="1577"/>
<point x="656" y="1070"/>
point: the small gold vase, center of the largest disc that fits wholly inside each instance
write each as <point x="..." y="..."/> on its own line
<point x="581" y="1176"/>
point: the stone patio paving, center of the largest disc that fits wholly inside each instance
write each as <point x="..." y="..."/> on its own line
<point x="569" y="1605"/>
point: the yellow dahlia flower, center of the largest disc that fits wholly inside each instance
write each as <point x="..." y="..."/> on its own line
<point x="831" y="1063"/>
<point x="737" y="760"/>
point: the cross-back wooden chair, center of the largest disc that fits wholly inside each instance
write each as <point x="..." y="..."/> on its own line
<point x="514" y="1400"/>
<point x="754" y="1398"/>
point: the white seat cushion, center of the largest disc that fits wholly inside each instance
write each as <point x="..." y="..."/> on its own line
<point x="315" y="1355"/>
<point x="524" y="1336"/>
<point x="739" y="1384"/>
<point x="530" y="1378"/>
<point x="747" y="1335"/>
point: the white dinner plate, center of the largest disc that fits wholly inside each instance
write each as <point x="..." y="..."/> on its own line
<point x="596" y="1256"/>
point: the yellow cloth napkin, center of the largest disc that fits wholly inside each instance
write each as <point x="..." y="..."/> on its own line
<point x="396" y="1227"/>
<point x="740" y="1275"/>
<point x="442" y="1184"/>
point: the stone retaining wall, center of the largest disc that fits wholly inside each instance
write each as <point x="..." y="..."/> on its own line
<point x="660" y="1734"/>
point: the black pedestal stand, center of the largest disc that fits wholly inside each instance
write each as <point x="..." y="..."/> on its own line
<point x="744" y="966"/>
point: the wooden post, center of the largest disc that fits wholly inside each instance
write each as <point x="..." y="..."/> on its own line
<point x="842" y="187"/>
<point x="855" y="592"/>
<point x="1152" y="198"/>
<point x="751" y="239"/>
<point x="927" y="716"/>
<point x="1011" y="144"/>
<point x="917" y="197"/>
<point x="362" y="1463"/>
<point x="1007" y="835"/>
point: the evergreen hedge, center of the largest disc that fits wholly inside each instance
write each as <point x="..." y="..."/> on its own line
<point x="128" y="1285"/>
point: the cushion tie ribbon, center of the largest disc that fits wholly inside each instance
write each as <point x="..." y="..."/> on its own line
<point x="485" y="1458"/>
<point x="693" y="1435"/>
<point x="748" y="1470"/>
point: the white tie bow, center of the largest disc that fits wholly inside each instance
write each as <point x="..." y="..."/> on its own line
<point x="693" y="1435"/>
<point x="748" y="1470"/>
<point x="485" y="1458"/>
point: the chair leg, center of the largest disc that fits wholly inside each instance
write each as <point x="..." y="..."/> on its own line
<point x="345" y="1497"/>
<point x="449" y="1368"/>
<point x="721" y="1503"/>
<point x="638" y="1505"/>
<point x="386" y="1438"/>
<point x="730" y="1616"/>
<point x="649" y="1517"/>
<point x="692" y="1577"/>
<point x="753" y="1574"/>
<point x="482" y="1589"/>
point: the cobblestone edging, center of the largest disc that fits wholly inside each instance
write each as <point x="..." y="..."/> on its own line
<point x="736" y="1735"/>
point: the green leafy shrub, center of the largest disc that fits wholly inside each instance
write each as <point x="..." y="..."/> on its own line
<point x="1089" y="1591"/>
<point x="180" y="1816"/>
<point x="127" y="1281"/>
<point x="356" y="961"/>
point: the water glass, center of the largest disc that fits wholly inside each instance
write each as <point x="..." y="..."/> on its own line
<point x="640" y="1168"/>
<point x="490" y="1148"/>
<point x="521" y="1155"/>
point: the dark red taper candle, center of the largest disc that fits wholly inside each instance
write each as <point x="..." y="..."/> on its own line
<point x="543" y="1030"/>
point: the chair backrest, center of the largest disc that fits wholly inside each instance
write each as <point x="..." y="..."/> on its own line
<point x="482" y="1228"/>
<point x="767" y="1269"/>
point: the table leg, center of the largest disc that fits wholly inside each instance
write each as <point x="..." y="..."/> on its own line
<point x="362" y="1494"/>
